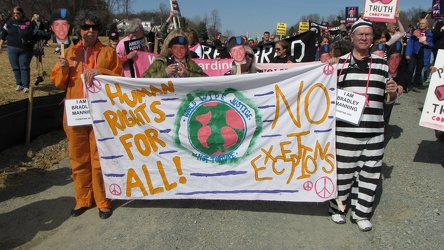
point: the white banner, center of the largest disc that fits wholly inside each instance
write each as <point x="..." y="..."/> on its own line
<point x="265" y="136"/>
<point x="432" y="115"/>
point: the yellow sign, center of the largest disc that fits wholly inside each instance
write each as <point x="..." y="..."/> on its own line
<point x="304" y="26"/>
<point x="281" y="29"/>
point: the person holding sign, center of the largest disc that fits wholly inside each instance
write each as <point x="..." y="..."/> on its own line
<point x="90" y="58"/>
<point x="418" y="53"/>
<point x="135" y="32"/>
<point x="174" y="60"/>
<point x="360" y="147"/>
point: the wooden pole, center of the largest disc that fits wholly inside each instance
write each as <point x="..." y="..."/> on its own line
<point x="29" y="115"/>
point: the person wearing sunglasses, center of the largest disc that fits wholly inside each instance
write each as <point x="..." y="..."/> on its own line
<point x="281" y="53"/>
<point x="88" y="57"/>
<point x="21" y="35"/>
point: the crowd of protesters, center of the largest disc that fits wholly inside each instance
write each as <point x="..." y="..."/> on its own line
<point x="381" y="51"/>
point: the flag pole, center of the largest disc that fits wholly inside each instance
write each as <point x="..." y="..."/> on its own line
<point x="174" y="19"/>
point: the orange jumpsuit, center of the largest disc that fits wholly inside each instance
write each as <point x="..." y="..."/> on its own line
<point x="83" y="154"/>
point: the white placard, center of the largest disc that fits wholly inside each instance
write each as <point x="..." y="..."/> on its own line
<point x="381" y="11"/>
<point x="77" y="112"/>
<point x="349" y="106"/>
<point x="432" y="115"/>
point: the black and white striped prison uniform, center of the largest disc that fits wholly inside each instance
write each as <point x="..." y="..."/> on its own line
<point x="359" y="149"/>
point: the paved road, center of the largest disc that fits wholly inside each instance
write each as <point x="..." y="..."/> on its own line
<point x="409" y="212"/>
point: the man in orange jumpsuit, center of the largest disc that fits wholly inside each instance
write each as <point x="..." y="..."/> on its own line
<point x="90" y="58"/>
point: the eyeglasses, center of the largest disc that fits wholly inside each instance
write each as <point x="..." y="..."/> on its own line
<point x="361" y="35"/>
<point x="277" y="49"/>
<point x="89" y="26"/>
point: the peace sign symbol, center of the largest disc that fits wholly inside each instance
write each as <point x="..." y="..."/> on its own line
<point x="324" y="187"/>
<point x="328" y="69"/>
<point x="95" y="87"/>
<point x="115" y="189"/>
<point x="308" y="185"/>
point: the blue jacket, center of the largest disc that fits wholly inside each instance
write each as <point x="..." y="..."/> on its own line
<point x="413" y="46"/>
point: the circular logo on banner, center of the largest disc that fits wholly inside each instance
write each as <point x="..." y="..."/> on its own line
<point x="308" y="185"/>
<point x="328" y="69"/>
<point x="324" y="187"/>
<point x="95" y="87"/>
<point x="219" y="127"/>
<point x="115" y="189"/>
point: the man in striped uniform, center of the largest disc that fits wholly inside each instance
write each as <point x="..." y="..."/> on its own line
<point x="359" y="149"/>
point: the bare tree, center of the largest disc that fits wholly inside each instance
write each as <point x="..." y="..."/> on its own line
<point x="310" y="17"/>
<point x="214" y="23"/>
<point x="164" y="11"/>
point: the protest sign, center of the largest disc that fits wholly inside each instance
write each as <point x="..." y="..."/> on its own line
<point x="265" y="136"/>
<point x="135" y="45"/>
<point x="281" y="29"/>
<point x="77" y="112"/>
<point x="432" y="115"/>
<point x="351" y="14"/>
<point x="381" y="10"/>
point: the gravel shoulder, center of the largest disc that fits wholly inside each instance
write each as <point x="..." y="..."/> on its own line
<point x="409" y="214"/>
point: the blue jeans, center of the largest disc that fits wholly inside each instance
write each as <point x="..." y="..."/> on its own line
<point x="20" y="60"/>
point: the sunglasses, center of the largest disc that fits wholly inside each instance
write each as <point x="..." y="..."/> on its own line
<point x="17" y="13"/>
<point x="89" y="26"/>
<point x="277" y="49"/>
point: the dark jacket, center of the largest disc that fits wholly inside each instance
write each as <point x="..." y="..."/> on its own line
<point x="438" y="35"/>
<point x="17" y="32"/>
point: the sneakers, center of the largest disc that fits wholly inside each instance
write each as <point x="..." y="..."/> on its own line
<point x="415" y="89"/>
<point x="18" y="88"/>
<point x="364" y="225"/>
<point x="25" y="90"/>
<point x="338" y="218"/>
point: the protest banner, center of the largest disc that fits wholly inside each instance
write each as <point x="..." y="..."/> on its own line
<point x="381" y="10"/>
<point x="432" y="115"/>
<point x="265" y="136"/>
<point x="212" y="67"/>
<point x="301" y="47"/>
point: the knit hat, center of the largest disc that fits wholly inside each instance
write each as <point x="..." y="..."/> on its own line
<point x="361" y="23"/>
<point x="113" y="36"/>
<point x="60" y="14"/>
<point x="235" y="41"/>
<point x="178" y="40"/>
<point x="394" y="48"/>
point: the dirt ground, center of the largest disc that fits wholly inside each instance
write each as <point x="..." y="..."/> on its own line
<point x="23" y="161"/>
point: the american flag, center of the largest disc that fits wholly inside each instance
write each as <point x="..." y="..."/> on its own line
<point x="175" y="7"/>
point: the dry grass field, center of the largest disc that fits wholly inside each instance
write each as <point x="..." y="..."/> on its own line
<point x="22" y="162"/>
